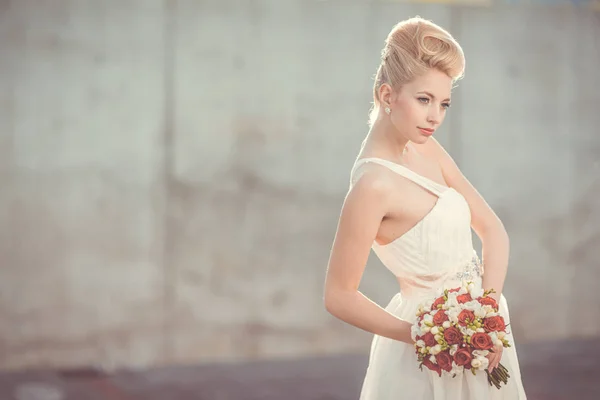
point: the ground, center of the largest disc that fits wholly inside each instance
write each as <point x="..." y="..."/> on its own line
<point x="551" y="371"/>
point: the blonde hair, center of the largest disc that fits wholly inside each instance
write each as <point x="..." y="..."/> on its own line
<point x="412" y="47"/>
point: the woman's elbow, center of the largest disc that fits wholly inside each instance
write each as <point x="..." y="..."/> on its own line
<point x="329" y="302"/>
<point x="333" y="299"/>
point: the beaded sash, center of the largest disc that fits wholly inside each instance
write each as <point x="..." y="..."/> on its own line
<point x="470" y="271"/>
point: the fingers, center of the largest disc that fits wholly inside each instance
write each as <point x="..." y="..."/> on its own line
<point x="492" y="363"/>
<point x="494" y="358"/>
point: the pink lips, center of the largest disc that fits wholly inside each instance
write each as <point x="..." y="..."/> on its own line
<point x="427" y="132"/>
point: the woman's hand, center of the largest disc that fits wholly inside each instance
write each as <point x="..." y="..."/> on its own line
<point x="494" y="357"/>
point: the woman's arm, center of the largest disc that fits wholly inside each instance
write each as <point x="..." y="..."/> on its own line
<point x="485" y="223"/>
<point x="364" y="208"/>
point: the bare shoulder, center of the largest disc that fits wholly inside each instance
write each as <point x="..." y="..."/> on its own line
<point x="373" y="185"/>
<point x="434" y="150"/>
<point x="482" y="215"/>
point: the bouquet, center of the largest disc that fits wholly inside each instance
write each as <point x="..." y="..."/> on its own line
<point x="457" y="330"/>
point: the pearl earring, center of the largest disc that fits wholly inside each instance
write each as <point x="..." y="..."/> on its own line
<point x="387" y="110"/>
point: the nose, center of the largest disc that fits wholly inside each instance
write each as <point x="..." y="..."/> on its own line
<point x="434" y="117"/>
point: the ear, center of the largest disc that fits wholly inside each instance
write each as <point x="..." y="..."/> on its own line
<point x="386" y="94"/>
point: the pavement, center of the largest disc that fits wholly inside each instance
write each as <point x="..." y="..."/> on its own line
<point x="550" y="371"/>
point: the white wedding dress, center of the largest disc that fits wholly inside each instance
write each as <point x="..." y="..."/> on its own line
<point x="436" y="252"/>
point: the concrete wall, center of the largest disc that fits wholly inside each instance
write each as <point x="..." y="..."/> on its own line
<point x="172" y="171"/>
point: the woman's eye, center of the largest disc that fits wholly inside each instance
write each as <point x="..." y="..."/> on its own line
<point x="424" y="100"/>
<point x="446" y="105"/>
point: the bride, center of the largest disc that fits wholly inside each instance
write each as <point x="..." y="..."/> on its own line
<point x="409" y="202"/>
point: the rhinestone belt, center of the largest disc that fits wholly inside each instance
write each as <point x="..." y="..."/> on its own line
<point x="473" y="269"/>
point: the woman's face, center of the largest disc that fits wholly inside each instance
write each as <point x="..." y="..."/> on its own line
<point x="420" y="106"/>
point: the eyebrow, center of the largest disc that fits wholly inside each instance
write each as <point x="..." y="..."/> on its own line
<point x="432" y="96"/>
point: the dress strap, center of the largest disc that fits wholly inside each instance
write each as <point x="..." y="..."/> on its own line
<point x="426" y="183"/>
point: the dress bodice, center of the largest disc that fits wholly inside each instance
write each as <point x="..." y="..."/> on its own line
<point x="439" y="248"/>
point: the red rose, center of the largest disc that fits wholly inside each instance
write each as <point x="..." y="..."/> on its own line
<point x="462" y="357"/>
<point x="453" y="335"/>
<point x="488" y="301"/>
<point x="440" y="317"/>
<point x="434" y="367"/>
<point x="444" y="360"/>
<point x="428" y="338"/>
<point x="437" y="302"/>
<point x="466" y="317"/>
<point x="453" y="290"/>
<point x="491" y="324"/>
<point x="463" y="298"/>
<point x="481" y="341"/>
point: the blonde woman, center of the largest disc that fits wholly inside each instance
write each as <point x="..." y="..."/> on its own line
<point x="409" y="202"/>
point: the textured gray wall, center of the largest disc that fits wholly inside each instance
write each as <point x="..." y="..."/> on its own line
<point x="172" y="171"/>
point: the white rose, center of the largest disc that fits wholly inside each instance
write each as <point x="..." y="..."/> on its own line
<point x="480" y="353"/>
<point x="420" y="343"/>
<point x="425" y="329"/>
<point x="501" y="335"/>
<point x="435" y="330"/>
<point x="432" y="359"/>
<point x="453" y="315"/>
<point x="472" y="305"/>
<point x="453" y="349"/>
<point x="493" y="336"/>
<point x="452" y="302"/>
<point x="477" y="292"/>
<point x="499" y="343"/>
<point x="414" y="331"/>
<point x="447" y="324"/>
<point x="435" y="349"/>
<point x="467" y="331"/>
<point x="476" y="363"/>
<point x="480" y="312"/>
<point x="470" y="288"/>
<point x="428" y="318"/>
<point x="484" y="363"/>
<point x="456" y="370"/>
<point x="480" y="330"/>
